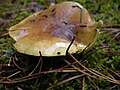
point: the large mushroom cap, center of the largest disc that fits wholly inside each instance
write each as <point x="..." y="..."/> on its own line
<point x="52" y="30"/>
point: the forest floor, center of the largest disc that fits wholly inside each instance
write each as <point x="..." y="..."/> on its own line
<point x="99" y="69"/>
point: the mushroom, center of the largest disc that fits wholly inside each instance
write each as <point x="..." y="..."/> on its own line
<point x="51" y="31"/>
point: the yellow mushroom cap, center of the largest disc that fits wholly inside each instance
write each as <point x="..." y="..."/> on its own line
<point x="52" y="30"/>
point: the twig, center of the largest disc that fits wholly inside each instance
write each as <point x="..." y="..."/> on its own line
<point x="9" y="76"/>
<point x="95" y="74"/>
<point x="36" y="75"/>
<point x="5" y="65"/>
<point x="2" y="71"/>
<point x="17" y="11"/>
<point x="62" y="70"/>
<point x="112" y="88"/>
<point x="85" y="67"/>
<point x="94" y="85"/>
<point x="66" y="80"/>
<point x="16" y="65"/>
<point x="10" y="71"/>
<point x="3" y="35"/>
<point x="112" y="26"/>
<point x="36" y="66"/>
<point x="13" y="74"/>
<point x="33" y="76"/>
<point x="22" y="79"/>
<point x="97" y="48"/>
<point x="114" y="30"/>
<point x="115" y="36"/>
<point x="41" y="59"/>
<point x="83" y="83"/>
<point x="79" y="70"/>
<point x="110" y="70"/>
<point x="70" y="46"/>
